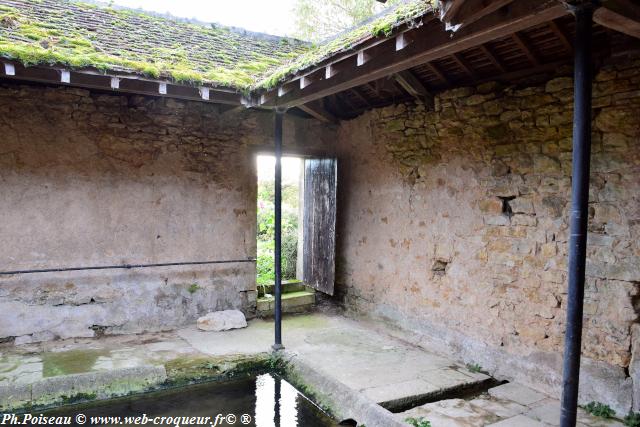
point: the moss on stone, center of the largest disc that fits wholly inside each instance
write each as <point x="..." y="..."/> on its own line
<point x="194" y="369"/>
<point x="70" y="362"/>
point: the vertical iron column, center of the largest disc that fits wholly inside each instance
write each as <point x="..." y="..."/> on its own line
<point x="579" y="214"/>
<point x="278" y="232"/>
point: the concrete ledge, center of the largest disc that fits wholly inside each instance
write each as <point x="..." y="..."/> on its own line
<point x="67" y="389"/>
<point x="337" y="399"/>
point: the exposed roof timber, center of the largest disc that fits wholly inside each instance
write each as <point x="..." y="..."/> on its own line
<point x="121" y="83"/>
<point x="431" y="42"/>
<point x="317" y="110"/>
<point x="449" y="8"/>
<point x="472" y="10"/>
<point x="524" y="47"/>
<point x="439" y="74"/>
<point x="341" y="98"/>
<point x="494" y="60"/>
<point x="360" y="96"/>
<point x="619" y="15"/>
<point x="561" y="36"/>
<point x="458" y="59"/>
<point x="232" y="109"/>
<point x="414" y="87"/>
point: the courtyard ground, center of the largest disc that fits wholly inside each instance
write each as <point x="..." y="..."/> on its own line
<point x="356" y="365"/>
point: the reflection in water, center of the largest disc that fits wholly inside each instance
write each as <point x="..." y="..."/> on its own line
<point x="265" y="401"/>
<point x="276" y="403"/>
<point x="271" y="402"/>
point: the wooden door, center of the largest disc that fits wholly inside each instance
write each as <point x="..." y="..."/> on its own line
<point x="319" y="223"/>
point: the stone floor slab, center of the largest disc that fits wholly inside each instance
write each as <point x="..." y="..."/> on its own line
<point x="356" y="354"/>
<point x="518" y="421"/>
<point x="498" y="407"/>
<point x="516" y="393"/>
<point x="548" y="413"/>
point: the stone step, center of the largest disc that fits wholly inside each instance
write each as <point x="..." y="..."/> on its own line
<point x="288" y="286"/>
<point x="292" y="302"/>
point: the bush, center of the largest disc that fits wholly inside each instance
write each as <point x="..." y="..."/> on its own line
<point x="266" y="223"/>
<point x="599" y="410"/>
<point x="632" y="419"/>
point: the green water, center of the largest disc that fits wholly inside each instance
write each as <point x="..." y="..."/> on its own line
<point x="262" y="401"/>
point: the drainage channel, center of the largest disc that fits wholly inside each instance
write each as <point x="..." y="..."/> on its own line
<point x="465" y="391"/>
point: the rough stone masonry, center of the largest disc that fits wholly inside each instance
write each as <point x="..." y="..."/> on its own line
<point x="454" y="224"/>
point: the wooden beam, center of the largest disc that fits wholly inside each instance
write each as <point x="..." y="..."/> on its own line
<point x="439" y="74"/>
<point x="413" y="86"/>
<point x="463" y="64"/>
<point x="316" y="109"/>
<point x="122" y="83"/>
<point x="360" y="96"/>
<point x="619" y="15"/>
<point x="431" y="42"/>
<point x="519" y="40"/>
<point x="342" y="98"/>
<point x="555" y="28"/>
<point x="449" y="8"/>
<point x="472" y="10"/>
<point x="494" y="60"/>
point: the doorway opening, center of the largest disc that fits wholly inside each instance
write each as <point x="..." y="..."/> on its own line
<point x="308" y="232"/>
<point x="292" y="185"/>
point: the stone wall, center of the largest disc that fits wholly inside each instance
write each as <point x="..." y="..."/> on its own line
<point x="453" y="223"/>
<point x="101" y="179"/>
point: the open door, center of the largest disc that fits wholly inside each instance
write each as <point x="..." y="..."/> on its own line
<point x="319" y="223"/>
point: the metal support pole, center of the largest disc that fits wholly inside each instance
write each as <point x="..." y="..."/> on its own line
<point x="579" y="213"/>
<point x="278" y="232"/>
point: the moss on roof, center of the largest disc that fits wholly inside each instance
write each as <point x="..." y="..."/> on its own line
<point x="85" y="35"/>
<point x="380" y="26"/>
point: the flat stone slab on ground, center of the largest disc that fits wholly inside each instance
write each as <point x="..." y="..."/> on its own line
<point x="518" y="421"/>
<point x="357" y="354"/>
<point x="218" y="321"/>
<point x="516" y="393"/>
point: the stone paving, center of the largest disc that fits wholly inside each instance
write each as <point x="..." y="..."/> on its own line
<point x="362" y="358"/>
<point x="507" y="405"/>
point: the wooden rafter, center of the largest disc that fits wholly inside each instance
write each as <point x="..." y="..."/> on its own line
<point x="316" y="109"/>
<point x="431" y="41"/>
<point x="340" y="97"/>
<point x="619" y="15"/>
<point x="555" y="28"/>
<point x="125" y="83"/>
<point x="458" y="59"/>
<point x="494" y="59"/>
<point x="522" y="44"/>
<point x="360" y="96"/>
<point x="472" y="10"/>
<point x="412" y="85"/>
<point x="438" y="73"/>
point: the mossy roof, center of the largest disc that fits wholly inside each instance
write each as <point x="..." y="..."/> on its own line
<point x="88" y="35"/>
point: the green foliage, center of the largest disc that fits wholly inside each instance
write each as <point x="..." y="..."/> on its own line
<point x="318" y="20"/>
<point x="418" y="422"/>
<point x="384" y="25"/>
<point x="474" y="367"/>
<point x="599" y="410"/>
<point x="193" y="288"/>
<point x="266" y="221"/>
<point x="632" y="419"/>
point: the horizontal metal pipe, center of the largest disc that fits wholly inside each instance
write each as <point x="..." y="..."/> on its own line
<point x="124" y="266"/>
